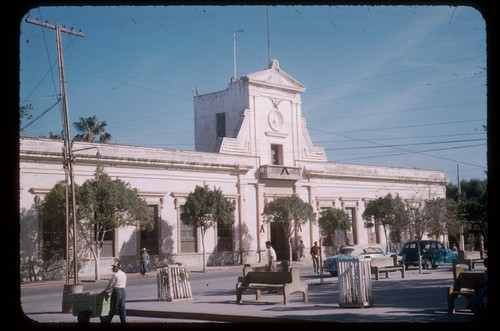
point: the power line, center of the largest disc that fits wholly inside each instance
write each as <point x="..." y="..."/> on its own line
<point x="423" y="153"/>
<point x="43" y="113"/>
<point x="415" y="144"/>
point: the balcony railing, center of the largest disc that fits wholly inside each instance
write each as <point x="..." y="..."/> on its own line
<point x="279" y="172"/>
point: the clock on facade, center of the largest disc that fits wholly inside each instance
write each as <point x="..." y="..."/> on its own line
<point x="275" y="119"/>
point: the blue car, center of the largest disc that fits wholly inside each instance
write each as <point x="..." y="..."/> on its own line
<point x="354" y="252"/>
<point x="432" y="252"/>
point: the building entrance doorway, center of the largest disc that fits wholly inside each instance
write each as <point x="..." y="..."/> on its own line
<point x="279" y="241"/>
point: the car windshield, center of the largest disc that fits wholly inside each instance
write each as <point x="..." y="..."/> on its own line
<point x="346" y="251"/>
<point x="372" y="250"/>
<point x="424" y="245"/>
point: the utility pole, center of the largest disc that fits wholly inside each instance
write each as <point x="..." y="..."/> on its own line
<point x="461" y="244"/>
<point x="69" y="289"/>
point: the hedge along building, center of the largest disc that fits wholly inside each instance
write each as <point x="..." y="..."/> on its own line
<point x="252" y="142"/>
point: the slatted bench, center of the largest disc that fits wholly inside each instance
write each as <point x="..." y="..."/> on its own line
<point x="386" y="265"/>
<point x="464" y="283"/>
<point x="470" y="258"/>
<point x="258" y="280"/>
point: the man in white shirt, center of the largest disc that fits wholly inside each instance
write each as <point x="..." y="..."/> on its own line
<point x="143" y="263"/>
<point x="271" y="257"/>
<point x="116" y="287"/>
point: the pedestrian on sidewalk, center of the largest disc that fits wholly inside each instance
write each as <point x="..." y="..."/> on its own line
<point x="302" y="250"/>
<point x="271" y="257"/>
<point x="144" y="261"/>
<point x="315" y="252"/>
<point x="116" y="287"/>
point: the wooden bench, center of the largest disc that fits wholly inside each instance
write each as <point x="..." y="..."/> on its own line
<point x="257" y="279"/>
<point x="470" y="258"/>
<point x="386" y="265"/>
<point x="464" y="283"/>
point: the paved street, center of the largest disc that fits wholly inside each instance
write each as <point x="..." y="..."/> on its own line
<point x="416" y="299"/>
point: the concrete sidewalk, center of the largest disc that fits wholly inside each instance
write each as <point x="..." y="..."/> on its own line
<point x="418" y="298"/>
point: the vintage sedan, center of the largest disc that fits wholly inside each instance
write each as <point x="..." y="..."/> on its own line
<point x="432" y="254"/>
<point x="354" y="252"/>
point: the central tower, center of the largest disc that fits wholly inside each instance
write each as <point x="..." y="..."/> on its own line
<point x="257" y="115"/>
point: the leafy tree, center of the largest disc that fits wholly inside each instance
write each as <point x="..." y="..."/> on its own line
<point x="90" y="128"/>
<point x="332" y="220"/>
<point x="53" y="217"/>
<point x="103" y="204"/>
<point x="472" y="206"/>
<point x="24" y="112"/>
<point x="204" y="208"/>
<point x="439" y="217"/>
<point x="106" y="204"/>
<point x="290" y="212"/>
<point x="389" y="212"/>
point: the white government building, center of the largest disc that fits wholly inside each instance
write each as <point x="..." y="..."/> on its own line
<point x="251" y="141"/>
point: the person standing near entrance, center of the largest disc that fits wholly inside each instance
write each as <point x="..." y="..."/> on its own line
<point x="116" y="287"/>
<point x="471" y="241"/>
<point x="143" y="262"/>
<point x="271" y="257"/>
<point x="315" y="252"/>
<point x="302" y="250"/>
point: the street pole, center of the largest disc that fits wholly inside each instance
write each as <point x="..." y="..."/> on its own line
<point x="268" y="37"/>
<point x="69" y="289"/>
<point x="234" y="52"/>
<point x="461" y="244"/>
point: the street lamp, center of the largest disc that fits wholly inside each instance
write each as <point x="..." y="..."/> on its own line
<point x="97" y="154"/>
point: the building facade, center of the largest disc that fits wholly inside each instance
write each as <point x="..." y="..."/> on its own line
<point x="252" y="142"/>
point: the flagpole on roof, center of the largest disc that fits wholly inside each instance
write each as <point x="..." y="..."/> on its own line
<point x="268" y="38"/>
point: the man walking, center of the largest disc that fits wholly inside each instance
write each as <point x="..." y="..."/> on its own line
<point x="116" y="287"/>
<point x="315" y="252"/>
<point x="271" y="257"/>
<point x="143" y="262"/>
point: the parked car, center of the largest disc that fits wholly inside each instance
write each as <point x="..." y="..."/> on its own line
<point x="433" y="253"/>
<point x="354" y="252"/>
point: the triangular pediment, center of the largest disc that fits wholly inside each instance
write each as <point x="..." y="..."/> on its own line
<point x="275" y="77"/>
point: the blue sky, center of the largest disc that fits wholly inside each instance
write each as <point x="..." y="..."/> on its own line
<point x="401" y="86"/>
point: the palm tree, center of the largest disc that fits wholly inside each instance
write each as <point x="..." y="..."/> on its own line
<point x="89" y="128"/>
<point x="54" y="136"/>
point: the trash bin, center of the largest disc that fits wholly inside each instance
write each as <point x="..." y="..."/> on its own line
<point x="173" y="283"/>
<point x="355" y="283"/>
